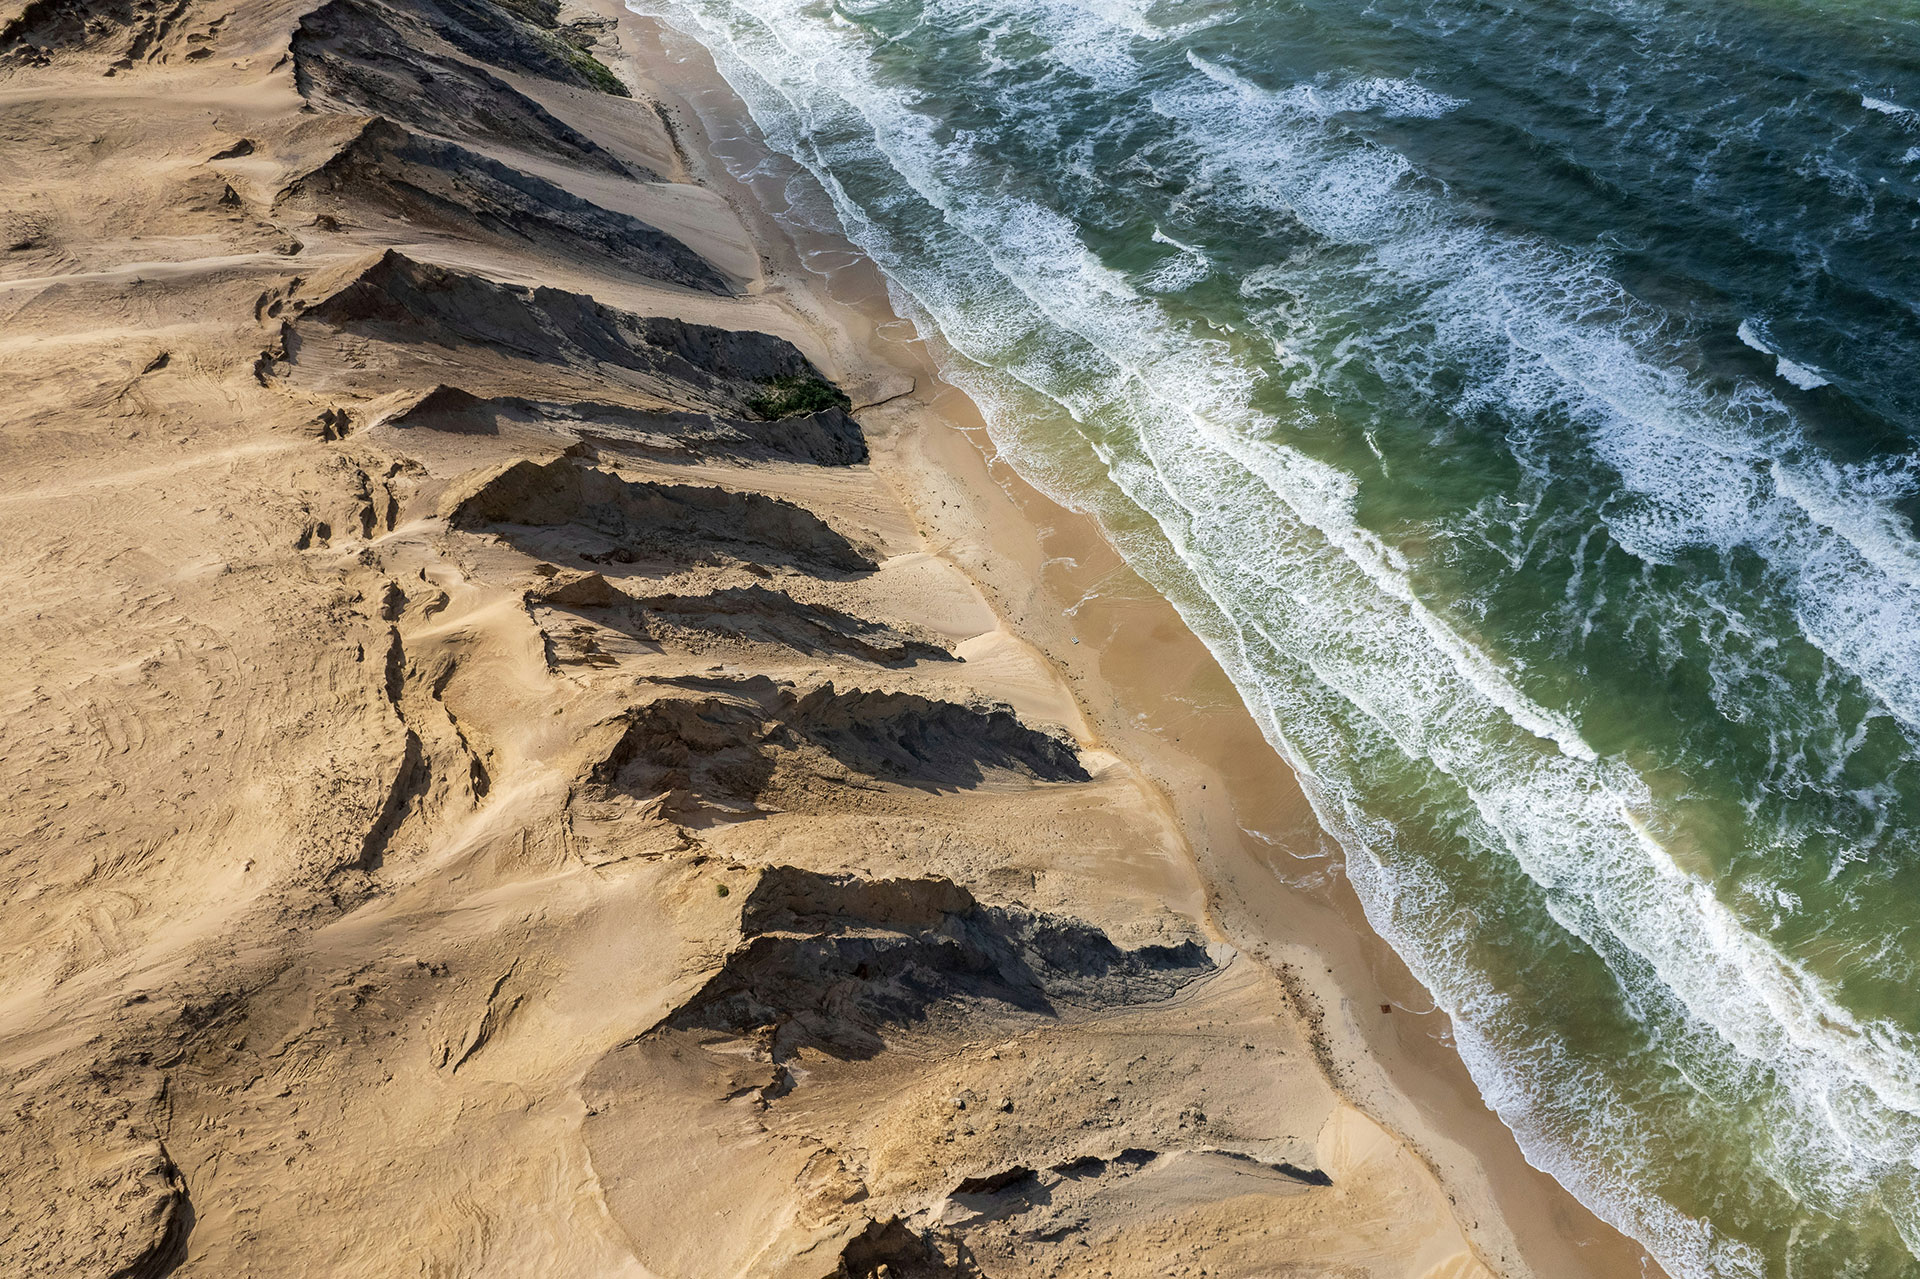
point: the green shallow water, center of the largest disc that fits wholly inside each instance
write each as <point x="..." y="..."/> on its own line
<point x="1521" y="401"/>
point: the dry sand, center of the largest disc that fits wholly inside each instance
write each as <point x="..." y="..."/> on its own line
<point x="507" y="777"/>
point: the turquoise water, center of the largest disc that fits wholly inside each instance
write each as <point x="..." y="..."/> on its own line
<point x="1521" y="401"/>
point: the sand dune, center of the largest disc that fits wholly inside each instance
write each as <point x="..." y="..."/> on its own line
<point x="492" y="785"/>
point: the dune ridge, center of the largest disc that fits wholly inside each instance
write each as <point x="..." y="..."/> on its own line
<point x="496" y="788"/>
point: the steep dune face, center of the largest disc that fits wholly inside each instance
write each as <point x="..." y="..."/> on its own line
<point x="419" y="182"/>
<point x="460" y="319"/>
<point x="394" y="61"/>
<point x="638" y="519"/>
<point x="829" y="437"/>
<point x="757" y="615"/>
<point x="719" y="746"/>
<point x="833" y="963"/>
<point x="491" y="790"/>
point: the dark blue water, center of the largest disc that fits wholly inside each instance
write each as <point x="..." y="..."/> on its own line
<point x="1521" y="400"/>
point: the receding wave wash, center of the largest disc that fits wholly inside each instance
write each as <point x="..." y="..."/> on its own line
<point x="1521" y="402"/>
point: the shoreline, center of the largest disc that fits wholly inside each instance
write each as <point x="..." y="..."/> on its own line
<point x="1274" y="884"/>
<point x="518" y="779"/>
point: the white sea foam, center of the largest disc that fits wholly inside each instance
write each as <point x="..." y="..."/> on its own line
<point x="1182" y="270"/>
<point x="1314" y="618"/>
<point x="1801" y="375"/>
<point x="1385" y="97"/>
<point x="1705" y="463"/>
<point x="1906" y="115"/>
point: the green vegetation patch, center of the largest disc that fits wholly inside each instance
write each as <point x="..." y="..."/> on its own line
<point x="798" y="393"/>
<point x="572" y="44"/>
<point x="595" y="73"/>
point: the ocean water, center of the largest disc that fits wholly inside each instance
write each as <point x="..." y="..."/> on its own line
<point x="1522" y="402"/>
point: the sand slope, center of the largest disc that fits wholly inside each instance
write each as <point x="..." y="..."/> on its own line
<point x="492" y="785"/>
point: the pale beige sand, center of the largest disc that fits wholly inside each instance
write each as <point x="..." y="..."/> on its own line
<point x="387" y="868"/>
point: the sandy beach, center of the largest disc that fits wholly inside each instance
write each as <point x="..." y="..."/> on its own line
<point x="558" y="745"/>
